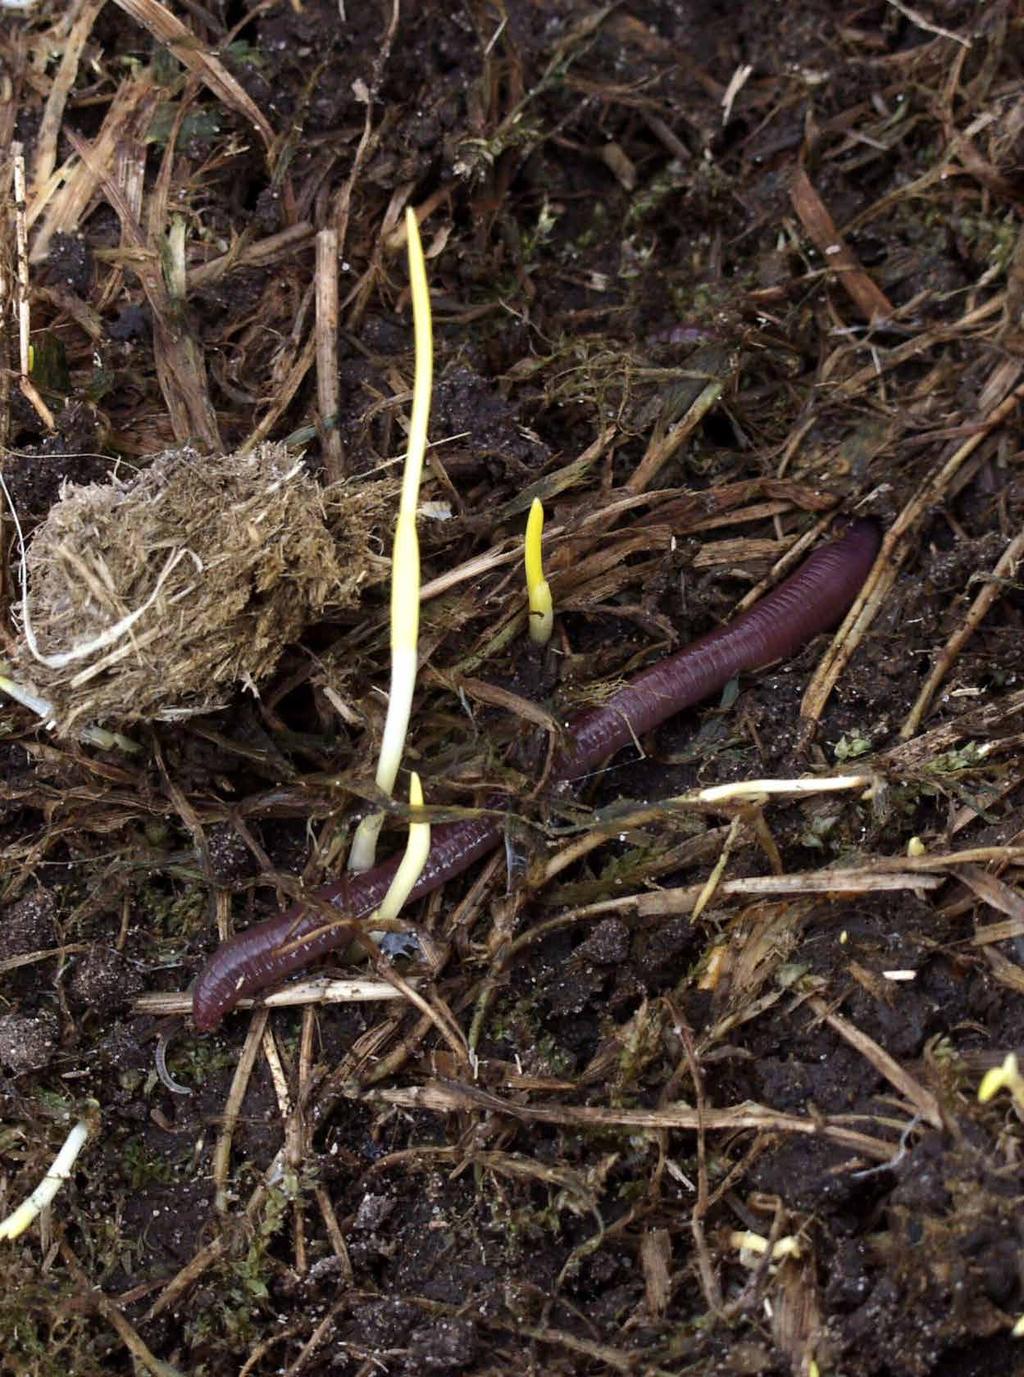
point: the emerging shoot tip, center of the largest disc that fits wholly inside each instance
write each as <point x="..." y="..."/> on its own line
<point x="1005" y="1077"/>
<point x="537" y="590"/>
<point x="411" y="866"/>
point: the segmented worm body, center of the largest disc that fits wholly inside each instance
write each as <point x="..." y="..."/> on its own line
<point x="811" y="600"/>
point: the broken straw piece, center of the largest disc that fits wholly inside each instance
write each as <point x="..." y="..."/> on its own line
<point x="92" y="736"/>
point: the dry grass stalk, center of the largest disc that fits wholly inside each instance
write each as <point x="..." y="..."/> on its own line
<point x="181" y="369"/>
<point x="83" y="16"/>
<point x="233" y="1107"/>
<point x="166" y="28"/>
<point x="303" y="992"/>
<point x="22" y="304"/>
<point x="450" y="1097"/>
<point x="924" y="1103"/>
<point x="92" y="1295"/>
<point x="665" y="443"/>
<point x="327" y="350"/>
<point x="260" y="253"/>
<point x="897" y="545"/>
<point x="1007" y="972"/>
<point x="991" y="590"/>
<point x="65" y="198"/>
<point x="863" y="291"/>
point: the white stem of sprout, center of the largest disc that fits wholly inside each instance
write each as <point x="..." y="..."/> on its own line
<point x="43" y="708"/>
<point x="405" y="564"/>
<point x="403" y="681"/>
<point x="719" y="793"/>
<point x="29" y="1210"/>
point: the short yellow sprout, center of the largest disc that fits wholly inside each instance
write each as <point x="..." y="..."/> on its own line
<point x="538" y="592"/>
<point x="405" y="562"/>
<point x="1005" y="1077"/>
<point x="410" y="869"/>
<point x="749" y="1242"/>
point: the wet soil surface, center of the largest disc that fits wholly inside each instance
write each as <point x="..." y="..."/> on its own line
<point x="671" y="1099"/>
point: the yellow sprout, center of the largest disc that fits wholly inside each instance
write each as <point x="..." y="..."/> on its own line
<point x="411" y="867"/>
<point x="749" y="1242"/>
<point x="405" y="562"/>
<point x="537" y="590"/>
<point x="1005" y="1077"/>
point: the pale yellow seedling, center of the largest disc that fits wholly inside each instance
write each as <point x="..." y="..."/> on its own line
<point x="44" y="1194"/>
<point x="537" y="590"/>
<point x="405" y="562"/>
<point x="1005" y="1077"/>
<point x="757" y="1245"/>
<point x="417" y="848"/>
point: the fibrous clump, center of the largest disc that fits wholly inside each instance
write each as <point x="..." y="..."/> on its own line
<point x="150" y="597"/>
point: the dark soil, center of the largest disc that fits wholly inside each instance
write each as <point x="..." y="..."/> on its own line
<point x="640" y="315"/>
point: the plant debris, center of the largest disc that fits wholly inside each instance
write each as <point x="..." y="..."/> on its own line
<point x="152" y="597"/>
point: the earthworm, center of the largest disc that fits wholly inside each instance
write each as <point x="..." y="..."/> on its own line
<point x="809" y="601"/>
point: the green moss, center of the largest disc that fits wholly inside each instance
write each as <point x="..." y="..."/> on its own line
<point x="180" y="913"/>
<point x="241" y="1284"/>
<point x="44" y="1331"/>
<point x="142" y="1167"/>
<point x="851" y="745"/>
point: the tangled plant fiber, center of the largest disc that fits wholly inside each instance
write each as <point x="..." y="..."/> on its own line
<point x="149" y="598"/>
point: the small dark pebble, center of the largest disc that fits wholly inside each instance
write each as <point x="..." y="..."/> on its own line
<point x="666" y="950"/>
<point x="27" y="1041"/>
<point x="103" y="981"/>
<point x="373" y="1211"/>
<point x="230" y="858"/>
<point x="132" y="323"/>
<point x="29" y="924"/>
<point x="607" y="945"/>
<point x="383" y="1324"/>
<point x="443" y="1346"/>
<point x="70" y="262"/>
